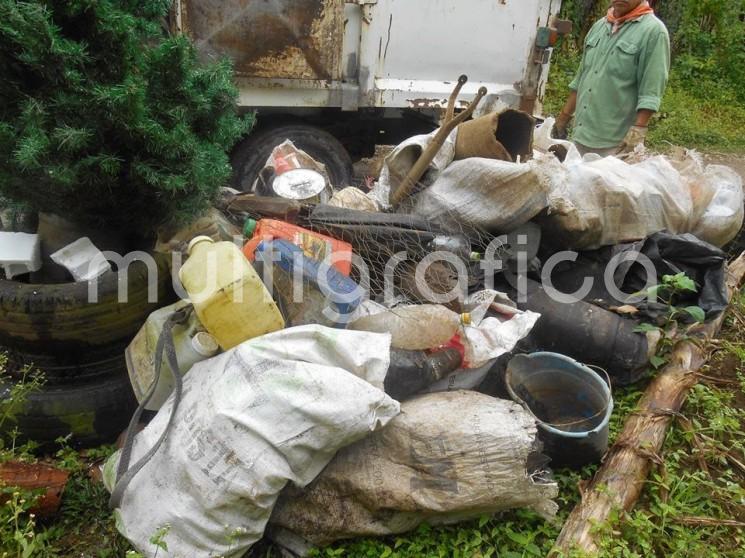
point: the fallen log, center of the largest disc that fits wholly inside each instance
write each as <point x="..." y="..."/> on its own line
<point x="620" y="480"/>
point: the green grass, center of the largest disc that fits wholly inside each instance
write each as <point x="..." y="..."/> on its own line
<point x="696" y="113"/>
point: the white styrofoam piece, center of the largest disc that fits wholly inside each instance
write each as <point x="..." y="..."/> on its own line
<point x="19" y="253"/>
<point x="82" y="259"/>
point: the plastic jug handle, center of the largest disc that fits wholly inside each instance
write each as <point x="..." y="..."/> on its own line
<point x="125" y="473"/>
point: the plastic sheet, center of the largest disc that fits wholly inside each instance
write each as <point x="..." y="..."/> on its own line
<point x="598" y="202"/>
<point x="673" y="254"/>
<point x="608" y="201"/>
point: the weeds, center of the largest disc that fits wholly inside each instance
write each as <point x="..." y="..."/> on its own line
<point x="15" y="393"/>
<point x="667" y="292"/>
<point x="18" y="531"/>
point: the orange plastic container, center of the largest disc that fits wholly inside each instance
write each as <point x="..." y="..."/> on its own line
<point x="314" y="245"/>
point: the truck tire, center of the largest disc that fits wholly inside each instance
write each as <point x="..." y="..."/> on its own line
<point x="57" y="319"/>
<point x="92" y="414"/>
<point x="73" y="368"/>
<point x="250" y="156"/>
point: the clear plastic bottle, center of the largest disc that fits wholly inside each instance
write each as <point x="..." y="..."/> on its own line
<point x="415" y="328"/>
<point x="228" y="295"/>
<point x="458" y="245"/>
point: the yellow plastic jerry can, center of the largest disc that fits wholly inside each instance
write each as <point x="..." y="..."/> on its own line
<point x="228" y="295"/>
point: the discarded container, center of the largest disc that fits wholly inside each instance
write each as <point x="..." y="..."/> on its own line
<point x="35" y="476"/>
<point x="332" y="288"/>
<point x="192" y="345"/>
<point x="507" y="136"/>
<point x="82" y="259"/>
<point x="415" y="328"/>
<point x="19" y="253"/>
<point x="299" y="184"/>
<point x="412" y="371"/>
<point x="228" y="296"/>
<point x="293" y="174"/>
<point x="571" y="403"/>
<point x="584" y="331"/>
<point x="313" y="244"/>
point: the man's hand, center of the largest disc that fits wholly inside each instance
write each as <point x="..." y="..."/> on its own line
<point x="559" y="130"/>
<point x="635" y="136"/>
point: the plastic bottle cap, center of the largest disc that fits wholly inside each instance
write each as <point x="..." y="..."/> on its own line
<point x="204" y="344"/>
<point x="465" y="318"/>
<point x="196" y="240"/>
<point x="249" y="227"/>
<point x="281" y="165"/>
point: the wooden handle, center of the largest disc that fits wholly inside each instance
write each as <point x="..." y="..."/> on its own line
<point x="450" y="112"/>
<point x="421" y="165"/>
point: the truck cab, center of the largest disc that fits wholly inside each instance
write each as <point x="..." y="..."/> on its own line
<point x="339" y="77"/>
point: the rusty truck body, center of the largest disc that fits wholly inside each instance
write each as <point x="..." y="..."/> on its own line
<point x="341" y="77"/>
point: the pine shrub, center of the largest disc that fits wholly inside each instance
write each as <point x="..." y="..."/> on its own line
<point x="107" y="119"/>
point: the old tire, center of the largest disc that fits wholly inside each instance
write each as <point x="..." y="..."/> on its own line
<point x="73" y="367"/>
<point x="91" y="414"/>
<point x="57" y="319"/>
<point x="250" y="156"/>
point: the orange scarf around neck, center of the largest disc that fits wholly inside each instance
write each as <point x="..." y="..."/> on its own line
<point x="642" y="9"/>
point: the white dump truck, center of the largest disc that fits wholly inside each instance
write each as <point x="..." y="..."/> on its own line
<point x="340" y="77"/>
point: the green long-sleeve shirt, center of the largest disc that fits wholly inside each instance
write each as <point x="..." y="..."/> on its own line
<point x="620" y="74"/>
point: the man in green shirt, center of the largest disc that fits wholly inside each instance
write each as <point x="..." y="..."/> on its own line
<point x="620" y="81"/>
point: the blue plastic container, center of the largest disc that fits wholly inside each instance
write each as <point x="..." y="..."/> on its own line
<point x="338" y="289"/>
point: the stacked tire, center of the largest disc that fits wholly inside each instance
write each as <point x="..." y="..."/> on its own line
<point x="78" y="344"/>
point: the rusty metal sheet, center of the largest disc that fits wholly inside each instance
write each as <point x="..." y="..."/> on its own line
<point x="290" y="39"/>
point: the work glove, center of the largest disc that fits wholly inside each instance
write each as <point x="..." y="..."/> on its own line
<point x="559" y="130"/>
<point x="635" y="136"/>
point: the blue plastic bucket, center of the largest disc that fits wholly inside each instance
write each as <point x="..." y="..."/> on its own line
<point x="571" y="403"/>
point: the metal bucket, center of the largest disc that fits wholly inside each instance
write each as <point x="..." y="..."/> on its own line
<point x="571" y="403"/>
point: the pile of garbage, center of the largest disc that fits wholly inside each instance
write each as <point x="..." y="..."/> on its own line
<point x="348" y="363"/>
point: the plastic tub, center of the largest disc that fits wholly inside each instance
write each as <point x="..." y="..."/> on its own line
<point x="571" y="403"/>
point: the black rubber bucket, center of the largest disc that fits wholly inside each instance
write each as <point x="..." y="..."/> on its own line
<point x="571" y="403"/>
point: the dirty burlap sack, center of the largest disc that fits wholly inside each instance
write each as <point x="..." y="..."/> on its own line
<point x="497" y="196"/>
<point x="504" y="135"/>
<point x="447" y="457"/>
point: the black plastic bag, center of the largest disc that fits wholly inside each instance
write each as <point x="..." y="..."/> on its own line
<point x="671" y="254"/>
